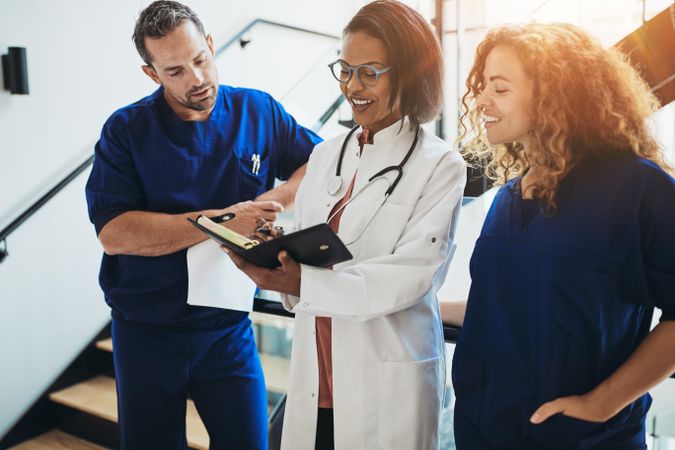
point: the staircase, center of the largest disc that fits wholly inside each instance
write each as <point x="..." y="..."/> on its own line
<point x="84" y="414"/>
<point x="57" y="440"/>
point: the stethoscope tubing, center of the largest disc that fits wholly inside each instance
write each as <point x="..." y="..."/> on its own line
<point x="354" y="196"/>
<point x="398" y="168"/>
<point x="378" y="176"/>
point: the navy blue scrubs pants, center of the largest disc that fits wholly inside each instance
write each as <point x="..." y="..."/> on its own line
<point x="214" y="360"/>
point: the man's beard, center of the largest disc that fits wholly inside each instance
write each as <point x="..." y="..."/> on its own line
<point x="201" y="105"/>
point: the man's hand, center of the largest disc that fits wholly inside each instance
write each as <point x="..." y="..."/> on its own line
<point x="267" y="231"/>
<point x="144" y="233"/>
<point x="247" y="215"/>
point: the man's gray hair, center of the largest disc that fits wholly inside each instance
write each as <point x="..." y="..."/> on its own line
<point x="159" y="19"/>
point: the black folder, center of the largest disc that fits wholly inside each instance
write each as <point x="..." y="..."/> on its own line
<point x="315" y="246"/>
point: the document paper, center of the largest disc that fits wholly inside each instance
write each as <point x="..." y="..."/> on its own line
<point x="214" y="280"/>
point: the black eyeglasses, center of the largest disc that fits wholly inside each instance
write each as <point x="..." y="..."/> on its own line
<point x="367" y="74"/>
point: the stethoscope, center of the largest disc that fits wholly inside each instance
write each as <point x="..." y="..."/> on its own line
<point x="335" y="183"/>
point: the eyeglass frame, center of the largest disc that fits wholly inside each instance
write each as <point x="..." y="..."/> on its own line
<point x="355" y="70"/>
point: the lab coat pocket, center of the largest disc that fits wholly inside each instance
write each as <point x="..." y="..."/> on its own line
<point x="468" y="381"/>
<point x="410" y="402"/>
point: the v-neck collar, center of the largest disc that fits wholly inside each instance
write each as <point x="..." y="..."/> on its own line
<point x="203" y="131"/>
<point x="520" y="229"/>
<point x="169" y="112"/>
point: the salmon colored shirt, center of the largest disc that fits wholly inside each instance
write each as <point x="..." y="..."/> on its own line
<point x="324" y="324"/>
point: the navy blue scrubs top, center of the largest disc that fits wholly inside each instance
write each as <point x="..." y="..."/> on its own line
<point x="148" y="159"/>
<point x="557" y="305"/>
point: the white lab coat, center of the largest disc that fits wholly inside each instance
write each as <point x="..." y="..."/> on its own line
<point x="387" y="337"/>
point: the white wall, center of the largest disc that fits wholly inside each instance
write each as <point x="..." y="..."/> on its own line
<point x="82" y="66"/>
<point x="51" y="304"/>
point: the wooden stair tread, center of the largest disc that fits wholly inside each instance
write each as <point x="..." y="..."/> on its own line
<point x="57" y="440"/>
<point x="105" y="345"/>
<point x="98" y="397"/>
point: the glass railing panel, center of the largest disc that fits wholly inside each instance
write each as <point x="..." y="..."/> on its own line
<point x="316" y="89"/>
<point x="340" y="120"/>
<point x="294" y="75"/>
<point x="662" y="428"/>
<point x="446" y="428"/>
<point x="273" y="336"/>
<point x="663" y="126"/>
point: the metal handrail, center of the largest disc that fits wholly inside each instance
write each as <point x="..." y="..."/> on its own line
<point x="247" y="28"/>
<point x="264" y="306"/>
<point x="32" y="209"/>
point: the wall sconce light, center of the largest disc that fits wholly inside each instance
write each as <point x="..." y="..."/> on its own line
<point x="15" y="70"/>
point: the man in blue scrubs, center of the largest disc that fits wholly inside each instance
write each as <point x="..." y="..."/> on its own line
<point x="192" y="147"/>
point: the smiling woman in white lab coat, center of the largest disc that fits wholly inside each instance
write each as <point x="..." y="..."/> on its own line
<point x="368" y="365"/>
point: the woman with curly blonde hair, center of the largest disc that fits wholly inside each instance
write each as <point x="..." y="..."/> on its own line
<point x="576" y="251"/>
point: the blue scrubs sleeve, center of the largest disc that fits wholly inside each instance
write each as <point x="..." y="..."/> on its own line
<point x="657" y="222"/>
<point x="293" y="141"/>
<point x="113" y="186"/>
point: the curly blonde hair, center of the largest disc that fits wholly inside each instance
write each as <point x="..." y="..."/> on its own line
<point x="586" y="100"/>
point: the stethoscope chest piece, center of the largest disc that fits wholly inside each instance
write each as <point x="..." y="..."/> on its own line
<point x="334" y="185"/>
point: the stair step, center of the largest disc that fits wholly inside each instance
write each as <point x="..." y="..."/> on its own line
<point x="98" y="397"/>
<point x="105" y="345"/>
<point x="57" y="440"/>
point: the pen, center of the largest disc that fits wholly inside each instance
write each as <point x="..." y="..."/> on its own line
<point x="268" y="231"/>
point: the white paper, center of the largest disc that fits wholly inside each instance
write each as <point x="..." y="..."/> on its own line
<point x="214" y="280"/>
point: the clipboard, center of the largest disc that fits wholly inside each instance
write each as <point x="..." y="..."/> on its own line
<point x="315" y="246"/>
